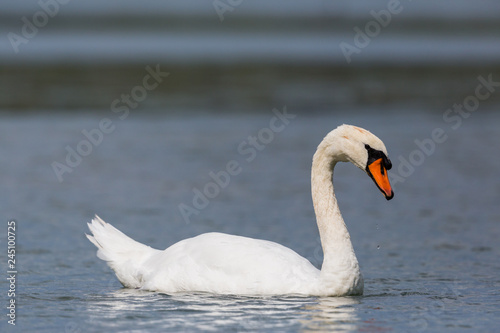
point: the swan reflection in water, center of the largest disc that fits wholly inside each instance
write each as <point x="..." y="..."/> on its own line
<point x="124" y="308"/>
<point x="331" y="314"/>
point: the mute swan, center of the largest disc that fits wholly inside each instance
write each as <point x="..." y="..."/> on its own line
<point x="227" y="264"/>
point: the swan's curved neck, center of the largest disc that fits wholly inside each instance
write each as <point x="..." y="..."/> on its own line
<point x="339" y="257"/>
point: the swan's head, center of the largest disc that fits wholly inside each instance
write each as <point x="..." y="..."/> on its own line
<point x="353" y="144"/>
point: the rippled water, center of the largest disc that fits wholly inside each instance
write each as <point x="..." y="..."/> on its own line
<point x="429" y="256"/>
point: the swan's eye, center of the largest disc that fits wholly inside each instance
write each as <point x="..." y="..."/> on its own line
<point x="374" y="154"/>
<point x="388" y="163"/>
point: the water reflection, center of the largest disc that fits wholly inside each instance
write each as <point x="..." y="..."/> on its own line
<point x="331" y="314"/>
<point x="202" y="311"/>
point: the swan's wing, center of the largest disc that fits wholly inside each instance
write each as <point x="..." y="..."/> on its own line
<point x="227" y="264"/>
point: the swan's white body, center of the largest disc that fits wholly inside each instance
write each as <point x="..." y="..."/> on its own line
<point x="227" y="264"/>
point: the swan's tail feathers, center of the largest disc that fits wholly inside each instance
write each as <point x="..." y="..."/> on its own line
<point x="123" y="254"/>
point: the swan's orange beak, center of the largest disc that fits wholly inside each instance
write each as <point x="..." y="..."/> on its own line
<point x="378" y="172"/>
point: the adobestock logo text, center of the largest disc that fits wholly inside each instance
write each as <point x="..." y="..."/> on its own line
<point x="95" y="136"/>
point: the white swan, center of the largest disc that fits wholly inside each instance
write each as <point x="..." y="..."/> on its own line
<point x="227" y="264"/>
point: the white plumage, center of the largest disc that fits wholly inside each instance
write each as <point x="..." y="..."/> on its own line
<point x="227" y="264"/>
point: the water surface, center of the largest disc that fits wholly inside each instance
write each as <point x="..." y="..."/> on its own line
<point x="429" y="256"/>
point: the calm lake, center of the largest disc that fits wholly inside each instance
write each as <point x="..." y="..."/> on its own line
<point x="429" y="257"/>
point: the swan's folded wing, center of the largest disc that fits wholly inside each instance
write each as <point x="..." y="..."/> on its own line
<point x="227" y="264"/>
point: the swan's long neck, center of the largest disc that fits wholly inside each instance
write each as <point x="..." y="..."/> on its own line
<point x="339" y="262"/>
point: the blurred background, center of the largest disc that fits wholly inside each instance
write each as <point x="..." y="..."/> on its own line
<point x="244" y="56"/>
